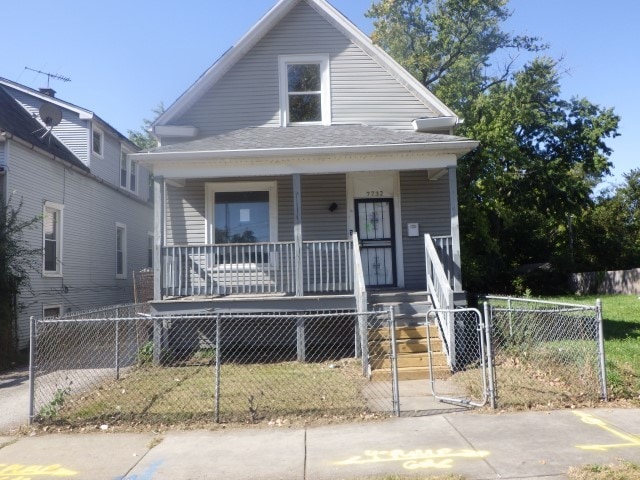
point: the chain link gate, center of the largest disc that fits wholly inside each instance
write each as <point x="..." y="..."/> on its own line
<point x="545" y="353"/>
<point x="467" y="353"/>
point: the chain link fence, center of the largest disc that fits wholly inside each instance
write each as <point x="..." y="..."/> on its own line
<point x="544" y="353"/>
<point x="126" y="365"/>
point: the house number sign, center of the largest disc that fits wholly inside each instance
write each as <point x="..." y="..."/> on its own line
<point x="375" y="194"/>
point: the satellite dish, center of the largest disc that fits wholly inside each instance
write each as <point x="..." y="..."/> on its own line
<point x="50" y="114"/>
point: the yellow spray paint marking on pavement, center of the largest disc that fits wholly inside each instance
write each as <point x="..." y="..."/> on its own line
<point x="630" y="440"/>
<point x="441" y="458"/>
<point x="26" y="472"/>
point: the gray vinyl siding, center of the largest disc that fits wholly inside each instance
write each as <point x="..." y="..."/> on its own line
<point x="186" y="209"/>
<point x="107" y="166"/>
<point x="72" y="131"/>
<point x="90" y="213"/>
<point x="427" y="203"/>
<point x="248" y="95"/>
<point x="318" y="192"/>
<point x="185" y="214"/>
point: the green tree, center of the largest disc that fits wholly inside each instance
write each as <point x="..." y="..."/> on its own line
<point x="143" y="138"/>
<point x="540" y="155"/>
<point x="607" y="236"/>
<point x="17" y="258"/>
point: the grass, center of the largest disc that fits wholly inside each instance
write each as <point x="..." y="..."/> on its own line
<point x="617" y="471"/>
<point x="248" y="394"/>
<point x="621" y="319"/>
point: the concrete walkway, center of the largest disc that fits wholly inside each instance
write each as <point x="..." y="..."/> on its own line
<point x="478" y="446"/>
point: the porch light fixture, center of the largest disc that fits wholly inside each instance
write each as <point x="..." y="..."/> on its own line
<point x="333" y="207"/>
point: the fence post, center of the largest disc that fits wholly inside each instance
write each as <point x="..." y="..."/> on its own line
<point x="363" y="325"/>
<point x="603" y="360"/>
<point x="300" y="340"/>
<point x="394" y="363"/>
<point x="218" y="358"/>
<point x="487" y="326"/>
<point x="118" y="347"/>
<point x="32" y="368"/>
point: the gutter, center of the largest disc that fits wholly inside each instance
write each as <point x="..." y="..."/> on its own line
<point x="457" y="147"/>
<point x="425" y="125"/>
<point x="4" y="135"/>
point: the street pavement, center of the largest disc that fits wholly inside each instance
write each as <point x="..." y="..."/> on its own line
<point x="431" y="438"/>
<point x="476" y="445"/>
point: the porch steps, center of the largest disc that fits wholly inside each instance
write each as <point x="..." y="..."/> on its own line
<point x="412" y="350"/>
<point x="410" y="307"/>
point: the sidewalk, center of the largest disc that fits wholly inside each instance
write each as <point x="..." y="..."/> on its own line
<point x="478" y="446"/>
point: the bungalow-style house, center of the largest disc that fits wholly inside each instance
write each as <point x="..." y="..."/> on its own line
<point x="302" y="169"/>
<point x="69" y="167"/>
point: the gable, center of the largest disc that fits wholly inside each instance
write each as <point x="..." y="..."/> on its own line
<point x="247" y="94"/>
<point x="15" y="120"/>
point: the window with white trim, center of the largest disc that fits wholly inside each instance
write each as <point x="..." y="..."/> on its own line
<point x="97" y="141"/>
<point x="51" y="311"/>
<point x="52" y="239"/>
<point x="128" y="171"/>
<point x="242" y="212"/>
<point x="121" y="250"/>
<point x="305" y="90"/>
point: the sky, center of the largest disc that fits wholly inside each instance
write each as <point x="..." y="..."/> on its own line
<point x="125" y="57"/>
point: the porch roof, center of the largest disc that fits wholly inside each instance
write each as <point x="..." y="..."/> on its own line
<point x="308" y="140"/>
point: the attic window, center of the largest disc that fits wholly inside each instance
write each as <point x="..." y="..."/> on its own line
<point x="305" y="90"/>
<point x="96" y="141"/>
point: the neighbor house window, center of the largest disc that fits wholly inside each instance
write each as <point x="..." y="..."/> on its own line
<point x="121" y="250"/>
<point x="305" y="90"/>
<point x="51" y="311"/>
<point x="97" y="140"/>
<point x="151" y="187"/>
<point x="128" y="171"/>
<point x="149" y="250"/>
<point x="52" y="239"/>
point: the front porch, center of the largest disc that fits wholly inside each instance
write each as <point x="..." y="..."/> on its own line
<point x="260" y="270"/>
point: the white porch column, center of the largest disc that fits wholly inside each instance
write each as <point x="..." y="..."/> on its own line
<point x="297" y="234"/>
<point x="455" y="229"/>
<point x="158" y="235"/>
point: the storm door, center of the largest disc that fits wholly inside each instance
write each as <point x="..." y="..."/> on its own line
<point x="375" y="227"/>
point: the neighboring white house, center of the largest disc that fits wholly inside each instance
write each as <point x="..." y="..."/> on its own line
<point x="302" y="134"/>
<point x="71" y="168"/>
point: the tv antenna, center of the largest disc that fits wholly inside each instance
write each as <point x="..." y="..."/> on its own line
<point x="49" y="75"/>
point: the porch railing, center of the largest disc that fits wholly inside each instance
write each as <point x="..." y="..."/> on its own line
<point x="444" y="247"/>
<point x="269" y="268"/>
<point x="439" y="287"/>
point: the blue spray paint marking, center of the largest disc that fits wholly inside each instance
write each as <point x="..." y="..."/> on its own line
<point x="146" y="475"/>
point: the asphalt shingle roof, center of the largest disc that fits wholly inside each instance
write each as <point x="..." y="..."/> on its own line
<point x="308" y="136"/>
<point x="17" y="121"/>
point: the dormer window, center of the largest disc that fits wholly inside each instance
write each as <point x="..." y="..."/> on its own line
<point x="304" y="90"/>
<point x="97" y="139"/>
